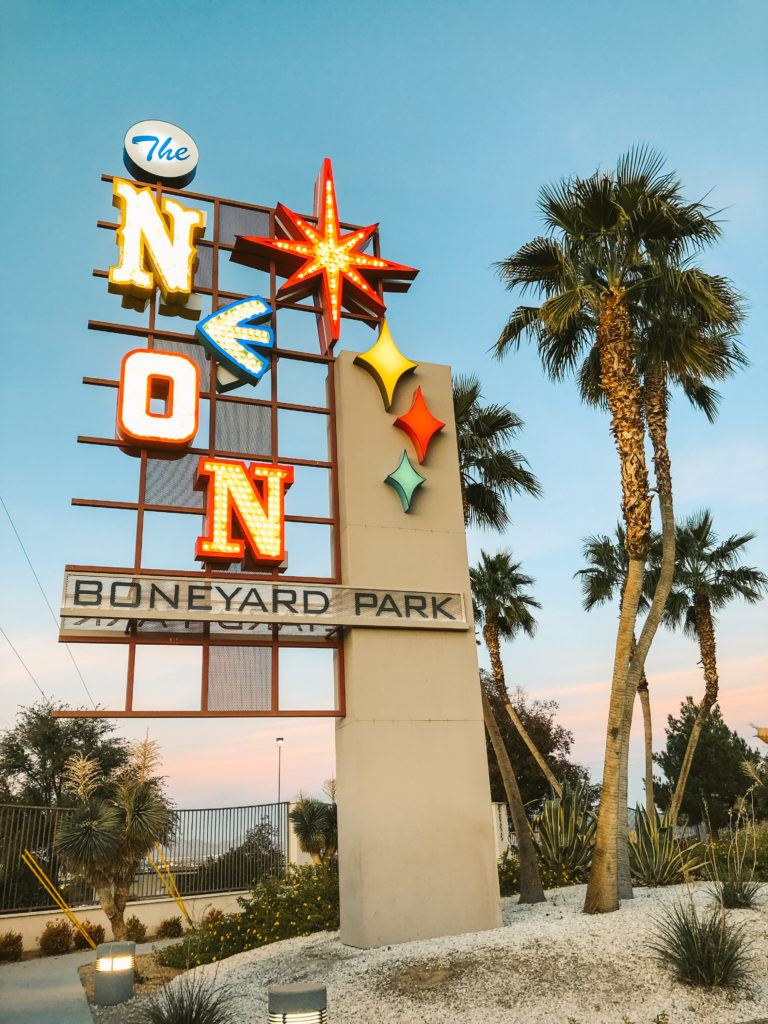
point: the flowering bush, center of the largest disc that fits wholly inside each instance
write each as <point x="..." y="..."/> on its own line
<point x="305" y="901"/>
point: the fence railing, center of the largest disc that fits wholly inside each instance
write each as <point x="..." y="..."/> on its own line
<point x="217" y="849"/>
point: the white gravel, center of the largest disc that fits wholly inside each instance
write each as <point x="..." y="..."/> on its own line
<point x="548" y="964"/>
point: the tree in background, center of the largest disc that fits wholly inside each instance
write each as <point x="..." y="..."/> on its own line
<point x="716" y="778"/>
<point x="552" y="740"/>
<point x="503" y="608"/>
<point x="613" y="240"/>
<point x="490" y="471"/>
<point x="315" y="825"/>
<point x="115" y="822"/>
<point x="35" y="751"/>
<point x="708" y="576"/>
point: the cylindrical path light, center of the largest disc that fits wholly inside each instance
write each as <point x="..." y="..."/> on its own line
<point x="113" y="980"/>
<point x="298" y="1004"/>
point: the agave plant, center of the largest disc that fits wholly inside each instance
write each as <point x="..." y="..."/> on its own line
<point x="565" y="834"/>
<point x="656" y="857"/>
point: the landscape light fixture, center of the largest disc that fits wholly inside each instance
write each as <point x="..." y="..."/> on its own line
<point x="113" y="980"/>
<point x="297" y="1004"/>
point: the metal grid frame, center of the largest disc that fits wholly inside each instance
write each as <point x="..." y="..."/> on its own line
<point x="208" y="392"/>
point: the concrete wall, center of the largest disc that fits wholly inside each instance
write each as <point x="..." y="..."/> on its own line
<point x="149" y="912"/>
<point x="416" y="842"/>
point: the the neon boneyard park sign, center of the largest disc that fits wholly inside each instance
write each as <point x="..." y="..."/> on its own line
<point x="176" y="381"/>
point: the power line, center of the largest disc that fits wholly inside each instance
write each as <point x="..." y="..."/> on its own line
<point x="28" y="671"/>
<point x="45" y="598"/>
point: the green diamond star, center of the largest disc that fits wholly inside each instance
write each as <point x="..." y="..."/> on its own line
<point x="405" y="480"/>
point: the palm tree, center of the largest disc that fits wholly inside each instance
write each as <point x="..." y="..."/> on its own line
<point x="490" y="471"/>
<point x="602" y="580"/>
<point x="708" y="576"/>
<point x="614" y="240"/>
<point x="503" y="609"/>
<point x="114" y="824"/>
<point x="315" y="826"/>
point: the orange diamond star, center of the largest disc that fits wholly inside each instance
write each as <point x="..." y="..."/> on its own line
<point x="419" y="424"/>
<point x="323" y="258"/>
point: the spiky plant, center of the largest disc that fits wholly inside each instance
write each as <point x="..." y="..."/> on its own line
<point x="706" y="949"/>
<point x="656" y="857"/>
<point x="565" y="833"/>
<point x="315" y="826"/>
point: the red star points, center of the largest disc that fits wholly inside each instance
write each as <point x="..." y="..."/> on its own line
<point x="321" y="257"/>
<point x="419" y="424"/>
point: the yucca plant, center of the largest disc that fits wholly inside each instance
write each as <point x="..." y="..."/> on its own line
<point x="565" y="834"/>
<point x="656" y="857"/>
<point x="706" y="950"/>
<point x="190" y="999"/>
<point x="113" y="826"/>
<point x="315" y="826"/>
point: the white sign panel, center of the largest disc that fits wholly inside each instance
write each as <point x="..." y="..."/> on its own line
<point x="160" y="151"/>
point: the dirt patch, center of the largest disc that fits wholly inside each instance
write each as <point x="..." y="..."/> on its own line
<point x="148" y="978"/>
<point x="422" y="979"/>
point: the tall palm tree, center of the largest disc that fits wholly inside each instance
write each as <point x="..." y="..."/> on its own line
<point x="503" y="608"/>
<point x="602" y="580"/>
<point x="490" y="471"/>
<point x="613" y="240"/>
<point x="708" y="576"/>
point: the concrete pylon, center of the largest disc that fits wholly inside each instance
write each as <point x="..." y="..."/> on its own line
<point x="416" y="843"/>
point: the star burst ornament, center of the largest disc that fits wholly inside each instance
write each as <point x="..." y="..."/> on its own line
<point x="419" y="424"/>
<point x="321" y="257"/>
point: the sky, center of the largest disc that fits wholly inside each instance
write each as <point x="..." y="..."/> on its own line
<point x="443" y="121"/>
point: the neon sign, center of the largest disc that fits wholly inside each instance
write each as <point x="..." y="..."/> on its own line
<point x="160" y="151"/>
<point x="323" y="258"/>
<point x="156" y="243"/>
<point x="165" y="378"/>
<point x="249" y="496"/>
<point x="233" y="335"/>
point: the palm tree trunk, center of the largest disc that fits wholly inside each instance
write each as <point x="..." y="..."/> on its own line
<point x="537" y="755"/>
<point x="705" y="632"/>
<point x="656" y="415"/>
<point x="491" y="637"/>
<point x="113" y="912"/>
<point x="645" y="704"/>
<point x="531" y="890"/>
<point x="621" y="385"/>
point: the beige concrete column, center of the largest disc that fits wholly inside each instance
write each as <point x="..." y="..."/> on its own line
<point x="416" y="840"/>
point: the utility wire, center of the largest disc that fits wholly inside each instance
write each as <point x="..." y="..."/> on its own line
<point x="29" y="673"/>
<point x="48" y="603"/>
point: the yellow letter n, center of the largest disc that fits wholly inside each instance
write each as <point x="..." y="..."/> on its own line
<point x="156" y="244"/>
<point x="244" y="511"/>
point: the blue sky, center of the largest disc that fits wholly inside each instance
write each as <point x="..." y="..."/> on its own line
<point x="442" y="120"/>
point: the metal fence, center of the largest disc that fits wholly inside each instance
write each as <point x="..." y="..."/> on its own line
<point x="219" y="849"/>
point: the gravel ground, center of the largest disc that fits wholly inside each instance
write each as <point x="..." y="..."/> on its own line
<point x="548" y="964"/>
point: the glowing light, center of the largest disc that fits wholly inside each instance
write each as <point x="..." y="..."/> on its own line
<point x="231" y="334"/>
<point x="419" y="424"/>
<point x="405" y="480"/>
<point x="156" y="244"/>
<point x="249" y="497"/>
<point x="323" y="258"/>
<point x="386" y="364"/>
<point x="174" y="380"/>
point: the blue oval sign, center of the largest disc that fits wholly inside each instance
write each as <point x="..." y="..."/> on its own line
<point x="160" y="151"/>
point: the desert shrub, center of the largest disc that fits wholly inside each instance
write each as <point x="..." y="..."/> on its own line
<point x="564" y="836"/>
<point x="737" y="892"/>
<point x="190" y="999"/>
<point x="135" y="931"/>
<point x="656" y="857"/>
<point x="509" y="874"/>
<point x="170" y="928"/>
<point x="703" y="949"/>
<point x="305" y="901"/>
<point x="96" y="931"/>
<point x="214" y="916"/>
<point x="56" y="938"/>
<point x="11" y="946"/>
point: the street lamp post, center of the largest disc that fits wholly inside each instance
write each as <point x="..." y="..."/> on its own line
<point x="279" y="741"/>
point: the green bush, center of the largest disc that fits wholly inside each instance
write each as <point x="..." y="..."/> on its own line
<point x="737" y="892"/>
<point x="170" y="928"/>
<point x="705" y="950"/>
<point x="11" y="947"/>
<point x="191" y="999"/>
<point x="135" y="931"/>
<point x="305" y="901"/>
<point x="56" y="939"/>
<point x="656" y="857"/>
<point x="96" y="931"/>
<point x="551" y="878"/>
<point x="564" y="836"/>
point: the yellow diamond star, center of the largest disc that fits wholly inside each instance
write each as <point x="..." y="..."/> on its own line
<point x="386" y="364"/>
